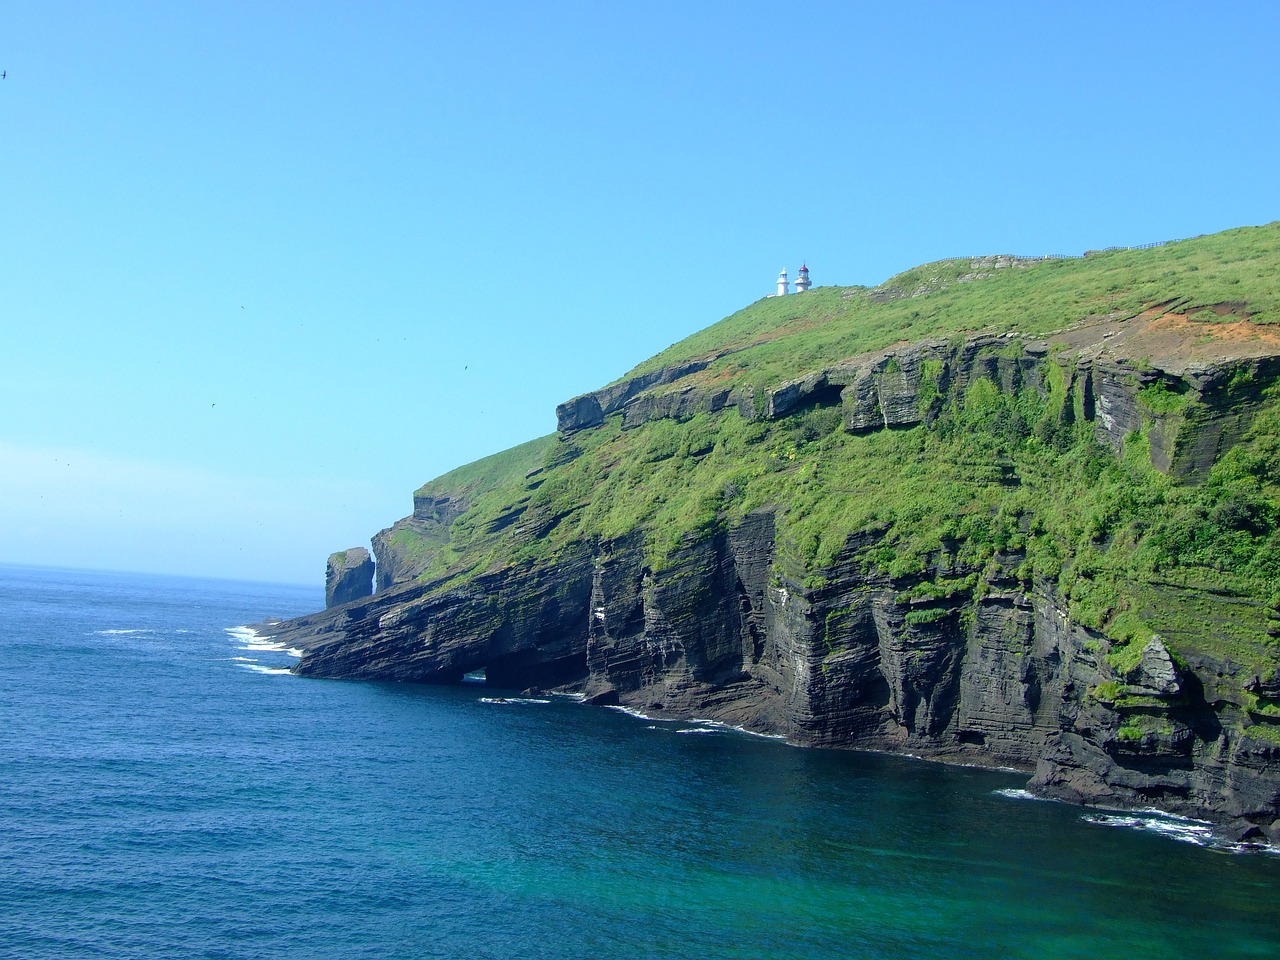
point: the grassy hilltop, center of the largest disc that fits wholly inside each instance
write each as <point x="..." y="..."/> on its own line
<point x="1131" y="551"/>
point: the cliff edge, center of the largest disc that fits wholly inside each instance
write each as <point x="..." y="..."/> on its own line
<point x="1005" y="511"/>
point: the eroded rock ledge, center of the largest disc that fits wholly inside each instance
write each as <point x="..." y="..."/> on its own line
<point x="1105" y="364"/>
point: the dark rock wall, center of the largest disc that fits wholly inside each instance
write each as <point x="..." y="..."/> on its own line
<point x="523" y="624"/>
<point x="348" y="576"/>
<point x="590" y="409"/>
<point x="994" y="674"/>
<point x="393" y="565"/>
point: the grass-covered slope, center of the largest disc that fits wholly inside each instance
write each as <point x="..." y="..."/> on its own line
<point x="1130" y="550"/>
<point x="780" y="337"/>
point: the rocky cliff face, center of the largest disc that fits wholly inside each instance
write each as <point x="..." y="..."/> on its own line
<point x="1106" y="363"/>
<point x="991" y="669"/>
<point x="995" y="672"/>
<point x="348" y="576"/>
<point x="429" y="523"/>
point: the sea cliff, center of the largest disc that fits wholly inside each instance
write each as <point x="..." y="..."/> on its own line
<point x="1048" y="541"/>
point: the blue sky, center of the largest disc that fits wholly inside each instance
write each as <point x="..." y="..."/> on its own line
<point x="266" y="268"/>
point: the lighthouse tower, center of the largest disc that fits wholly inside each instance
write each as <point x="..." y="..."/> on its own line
<point x="784" y="285"/>
<point x="802" y="280"/>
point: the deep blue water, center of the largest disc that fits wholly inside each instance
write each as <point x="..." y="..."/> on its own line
<point x="164" y="793"/>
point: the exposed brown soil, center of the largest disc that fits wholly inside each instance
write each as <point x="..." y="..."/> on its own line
<point x="1176" y="340"/>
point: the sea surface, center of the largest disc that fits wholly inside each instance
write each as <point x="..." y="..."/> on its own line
<point x="168" y="789"/>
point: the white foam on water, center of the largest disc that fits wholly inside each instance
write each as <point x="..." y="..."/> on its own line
<point x="512" y="700"/>
<point x="1188" y="831"/>
<point x="245" y="659"/>
<point x="261" y="647"/>
<point x="721" y="725"/>
<point x="631" y="712"/>
<point x="258" y="668"/>
<point x="696" y="725"/>
<point x="1014" y="793"/>
<point x="121" y="633"/>
<point x="1201" y="833"/>
<point x="244" y="633"/>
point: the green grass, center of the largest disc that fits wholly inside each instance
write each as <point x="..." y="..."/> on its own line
<point x="1162" y="401"/>
<point x="782" y="337"/>
<point x="486" y="475"/>
<point x="1129" y="734"/>
<point x="1264" y="732"/>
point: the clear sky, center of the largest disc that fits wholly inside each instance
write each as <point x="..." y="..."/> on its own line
<point x="265" y="268"/>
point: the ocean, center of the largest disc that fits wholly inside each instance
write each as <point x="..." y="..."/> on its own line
<point x="168" y="789"/>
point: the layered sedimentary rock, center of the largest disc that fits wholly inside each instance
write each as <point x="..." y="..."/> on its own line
<point x="995" y="673"/>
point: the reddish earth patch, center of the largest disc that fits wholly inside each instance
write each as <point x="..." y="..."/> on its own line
<point x="1173" y="340"/>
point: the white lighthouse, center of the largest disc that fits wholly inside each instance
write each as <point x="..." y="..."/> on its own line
<point x="784" y="285"/>
<point x="802" y="279"/>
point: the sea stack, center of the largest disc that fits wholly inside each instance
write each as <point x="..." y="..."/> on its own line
<point x="348" y="576"/>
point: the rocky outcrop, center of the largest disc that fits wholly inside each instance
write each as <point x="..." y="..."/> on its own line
<point x="348" y="576"/>
<point x="524" y="626"/>
<point x="397" y="548"/>
<point x="906" y="386"/>
<point x="685" y="403"/>
<point x="590" y="409"/>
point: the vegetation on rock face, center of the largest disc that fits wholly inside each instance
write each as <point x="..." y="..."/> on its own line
<point x="1129" y="550"/>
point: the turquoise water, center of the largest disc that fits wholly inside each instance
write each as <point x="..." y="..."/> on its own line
<point x="166" y="793"/>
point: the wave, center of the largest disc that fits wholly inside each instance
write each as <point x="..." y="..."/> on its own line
<point x="512" y="700"/>
<point x="122" y="633"/>
<point x="259" y="668"/>
<point x="272" y="648"/>
<point x="1014" y="793"/>
<point x="696" y="725"/>
<point x="1197" y="832"/>
<point x="632" y="712"/>
<point x="721" y="725"/>
<point x="1200" y="833"/>
<point x="259" y="642"/>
